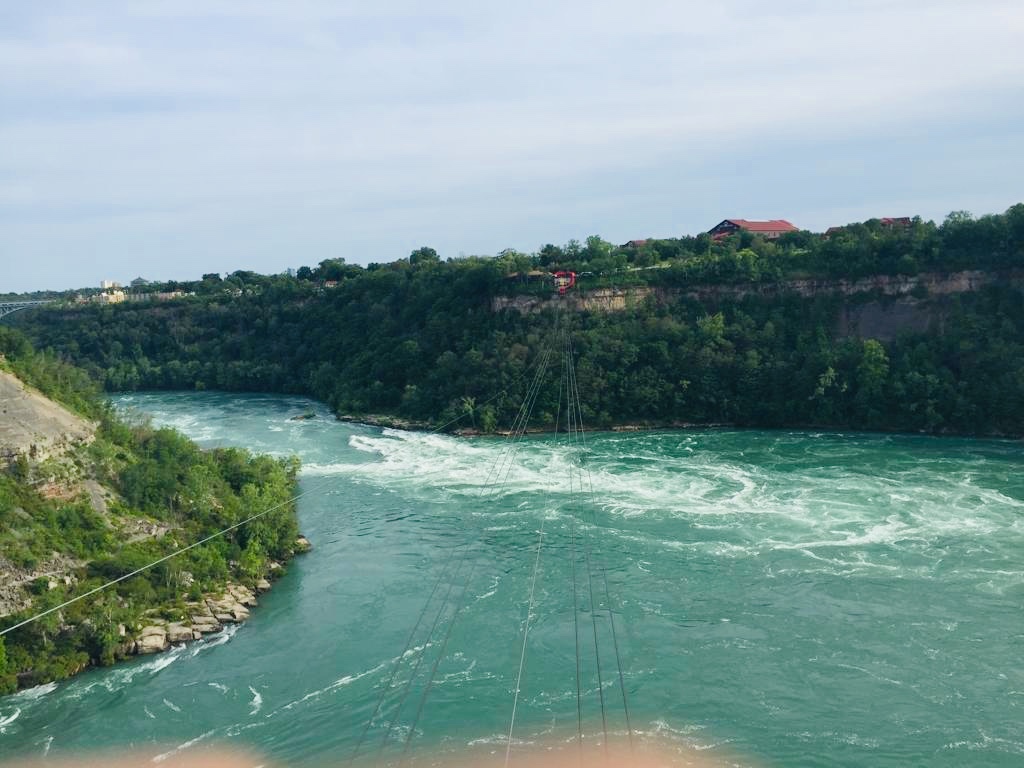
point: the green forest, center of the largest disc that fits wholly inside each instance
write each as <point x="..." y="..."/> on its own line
<point x="419" y="338"/>
<point x="155" y="476"/>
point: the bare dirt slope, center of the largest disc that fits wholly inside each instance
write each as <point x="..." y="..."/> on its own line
<point x="28" y="419"/>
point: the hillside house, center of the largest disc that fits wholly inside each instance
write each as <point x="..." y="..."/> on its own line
<point x="769" y="230"/>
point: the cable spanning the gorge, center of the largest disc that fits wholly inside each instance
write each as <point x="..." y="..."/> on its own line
<point x="529" y="603"/>
<point x="453" y="602"/>
<point x="581" y="493"/>
<point x="394" y="672"/>
<point x="576" y="426"/>
<point x="581" y="434"/>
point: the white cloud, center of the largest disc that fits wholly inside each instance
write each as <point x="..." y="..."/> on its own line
<point x="261" y="114"/>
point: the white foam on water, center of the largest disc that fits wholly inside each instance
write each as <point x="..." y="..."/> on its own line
<point x="986" y="742"/>
<point x="798" y="507"/>
<point x="213" y="641"/>
<point x="257" y="701"/>
<point x="437" y="462"/>
<point x="347" y="680"/>
<point x="341" y="682"/>
<point x="661" y="726"/>
<point x="163" y="661"/>
<point x="33" y="693"/>
<point x="883" y="533"/>
<point x="499" y="739"/>
<point x="185" y="745"/>
<point x="171" y="705"/>
<point x="118" y="678"/>
<point x="492" y="590"/>
<point x="413" y="651"/>
<point x="6" y="720"/>
<point x="219" y="686"/>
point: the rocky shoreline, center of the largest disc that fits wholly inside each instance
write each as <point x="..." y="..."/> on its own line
<point x="414" y="425"/>
<point x="209" y="615"/>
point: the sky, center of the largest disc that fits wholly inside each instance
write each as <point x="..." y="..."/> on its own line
<point x="171" y="138"/>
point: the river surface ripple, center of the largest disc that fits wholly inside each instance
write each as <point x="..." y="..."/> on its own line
<point x="780" y="598"/>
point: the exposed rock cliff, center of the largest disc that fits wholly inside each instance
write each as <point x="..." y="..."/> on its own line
<point x="34" y="425"/>
<point x="895" y="303"/>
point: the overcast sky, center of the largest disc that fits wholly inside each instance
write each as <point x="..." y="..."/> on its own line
<point x="168" y="138"/>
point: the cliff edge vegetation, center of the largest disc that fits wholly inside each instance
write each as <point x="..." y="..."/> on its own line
<point x="86" y="497"/>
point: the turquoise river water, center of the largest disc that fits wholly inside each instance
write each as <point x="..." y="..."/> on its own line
<point x="779" y="599"/>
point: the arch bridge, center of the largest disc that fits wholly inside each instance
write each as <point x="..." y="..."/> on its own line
<point x="7" y="307"/>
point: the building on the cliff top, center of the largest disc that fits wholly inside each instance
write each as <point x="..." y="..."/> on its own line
<point x="767" y="229"/>
<point x="110" y="297"/>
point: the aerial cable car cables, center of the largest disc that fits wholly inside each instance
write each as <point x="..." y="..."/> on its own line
<point x="500" y="469"/>
<point x="516" y="438"/>
<point x="529" y="605"/>
<point x="419" y="660"/>
<point x="496" y="480"/>
<point x="604" y="572"/>
<point x="580" y="488"/>
<point x="437" y="662"/>
<point x="577" y="428"/>
<point x="394" y="672"/>
<point x="507" y="460"/>
<point x="575" y="590"/>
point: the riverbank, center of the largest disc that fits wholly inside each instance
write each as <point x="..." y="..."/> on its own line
<point x="413" y="425"/>
<point x="394" y="422"/>
<point x="208" y="615"/>
<point x="173" y="623"/>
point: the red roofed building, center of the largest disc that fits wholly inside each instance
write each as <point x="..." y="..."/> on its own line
<point x="767" y="229"/>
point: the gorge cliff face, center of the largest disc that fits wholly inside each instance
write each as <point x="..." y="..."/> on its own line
<point x="881" y="306"/>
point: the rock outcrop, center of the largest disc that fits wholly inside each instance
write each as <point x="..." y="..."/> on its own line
<point x="892" y="286"/>
<point x="35" y="426"/>
<point x="203" y="617"/>
<point x="179" y="633"/>
<point x="152" y="639"/>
